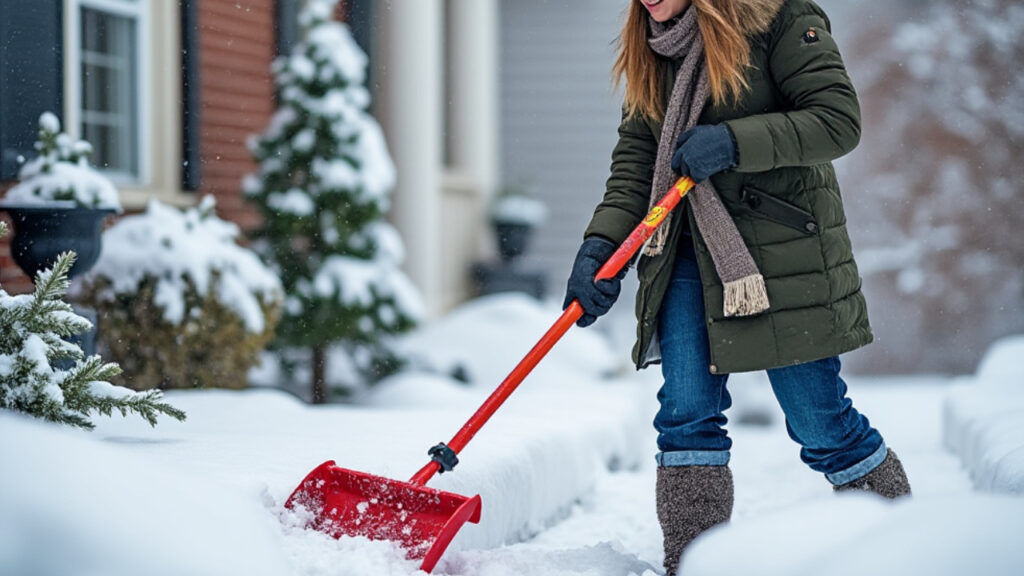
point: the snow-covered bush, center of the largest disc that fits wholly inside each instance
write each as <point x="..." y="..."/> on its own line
<point x="61" y="174"/>
<point x="181" y="305"/>
<point x="322" y="187"/>
<point x="47" y="377"/>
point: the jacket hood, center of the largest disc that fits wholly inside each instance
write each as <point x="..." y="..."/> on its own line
<point x="756" y="16"/>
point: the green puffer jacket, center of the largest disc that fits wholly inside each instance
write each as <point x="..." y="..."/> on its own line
<point x="800" y="113"/>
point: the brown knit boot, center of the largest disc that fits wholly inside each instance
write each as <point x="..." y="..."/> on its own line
<point x="690" y="500"/>
<point x="888" y="479"/>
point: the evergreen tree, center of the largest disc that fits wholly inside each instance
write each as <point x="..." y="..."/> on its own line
<point x="33" y="349"/>
<point x="322" y="187"/>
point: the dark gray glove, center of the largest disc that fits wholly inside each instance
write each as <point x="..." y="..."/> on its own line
<point x="703" y="151"/>
<point x="596" y="298"/>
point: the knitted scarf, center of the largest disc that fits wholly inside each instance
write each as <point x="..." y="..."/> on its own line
<point x="745" y="292"/>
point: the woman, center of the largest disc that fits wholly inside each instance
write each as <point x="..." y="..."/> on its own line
<point x="755" y="271"/>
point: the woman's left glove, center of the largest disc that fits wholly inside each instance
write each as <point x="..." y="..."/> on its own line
<point x="596" y="298"/>
<point x="703" y="151"/>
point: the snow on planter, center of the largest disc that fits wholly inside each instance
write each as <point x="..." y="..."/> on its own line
<point x="181" y="303"/>
<point x="61" y="173"/>
<point x="984" y="419"/>
<point x="519" y="209"/>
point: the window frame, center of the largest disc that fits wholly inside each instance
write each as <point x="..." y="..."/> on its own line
<point x="140" y="11"/>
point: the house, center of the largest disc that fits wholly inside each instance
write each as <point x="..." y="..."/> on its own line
<point x="168" y="92"/>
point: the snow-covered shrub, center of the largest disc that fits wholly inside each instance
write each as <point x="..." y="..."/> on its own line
<point x="322" y="187"/>
<point x="61" y="174"/>
<point x="47" y="377"/>
<point x="180" y="303"/>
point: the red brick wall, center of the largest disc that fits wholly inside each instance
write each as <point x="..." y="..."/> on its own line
<point x="237" y="45"/>
<point x="11" y="278"/>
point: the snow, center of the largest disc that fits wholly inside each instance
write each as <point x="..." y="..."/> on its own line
<point x="48" y="121"/>
<point x="333" y="41"/>
<point x="62" y="174"/>
<point x="863" y="534"/>
<point x="985" y="419"/>
<point x="72" y="504"/>
<point x="63" y="180"/>
<point x="108" y="390"/>
<point x="565" y="471"/>
<point x="358" y="282"/>
<point x="294" y="201"/>
<point x="174" y="248"/>
<point x="519" y="209"/>
<point x="502" y="321"/>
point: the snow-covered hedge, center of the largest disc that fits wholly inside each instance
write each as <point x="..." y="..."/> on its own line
<point x="181" y="304"/>
<point x="61" y="173"/>
<point x="984" y="419"/>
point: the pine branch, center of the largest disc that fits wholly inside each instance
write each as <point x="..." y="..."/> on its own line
<point x="51" y="285"/>
<point x="79" y="396"/>
<point x="147" y="404"/>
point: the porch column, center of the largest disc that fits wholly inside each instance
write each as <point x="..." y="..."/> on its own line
<point x="410" y="111"/>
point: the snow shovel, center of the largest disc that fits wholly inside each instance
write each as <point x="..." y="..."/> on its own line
<point x="423" y="520"/>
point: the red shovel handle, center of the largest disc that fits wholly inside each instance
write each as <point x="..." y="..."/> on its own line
<point x="629" y="247"/>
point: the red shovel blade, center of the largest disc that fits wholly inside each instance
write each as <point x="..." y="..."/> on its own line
<point x="350" y="503"/>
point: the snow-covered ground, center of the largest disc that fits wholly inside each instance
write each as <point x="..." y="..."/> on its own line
<point x="565" y="471"/>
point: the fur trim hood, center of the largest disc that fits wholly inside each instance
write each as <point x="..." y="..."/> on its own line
<point x="756" y="16"/>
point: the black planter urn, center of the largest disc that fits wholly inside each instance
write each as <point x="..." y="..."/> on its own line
<point x="42" y="233"/>
<point x="512" y="239"/>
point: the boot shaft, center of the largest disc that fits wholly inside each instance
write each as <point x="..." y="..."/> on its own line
<point x="690" y="500"/>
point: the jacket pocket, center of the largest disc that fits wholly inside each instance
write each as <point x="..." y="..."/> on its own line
<point x="779" y="211"/>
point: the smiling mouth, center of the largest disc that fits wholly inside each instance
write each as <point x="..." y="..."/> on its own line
<point x="650" y="3"/>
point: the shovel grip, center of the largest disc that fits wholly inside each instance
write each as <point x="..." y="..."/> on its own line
<point x="619" y="260"/>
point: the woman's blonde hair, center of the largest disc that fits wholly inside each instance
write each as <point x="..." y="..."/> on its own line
<point x="726" y="48"/>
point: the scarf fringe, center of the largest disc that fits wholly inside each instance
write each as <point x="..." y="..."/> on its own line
<point x="746" y="296"/>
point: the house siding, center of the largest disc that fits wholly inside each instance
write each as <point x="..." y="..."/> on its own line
<point x="237" y="44"/>
<point x="559" y="116"/>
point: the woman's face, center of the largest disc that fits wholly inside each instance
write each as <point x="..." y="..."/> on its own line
<point x="662" y="10"/>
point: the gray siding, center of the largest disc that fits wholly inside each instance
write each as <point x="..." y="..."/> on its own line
<point x="559" y="116"/>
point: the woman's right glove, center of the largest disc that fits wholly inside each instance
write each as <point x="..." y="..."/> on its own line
<point x="596" y="298"/>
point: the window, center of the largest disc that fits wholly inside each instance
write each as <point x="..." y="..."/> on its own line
<point x="107" y="83"/>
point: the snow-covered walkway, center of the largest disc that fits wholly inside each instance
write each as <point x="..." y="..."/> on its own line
<point x="565" y="471"/>
<point x="614" y="531"/>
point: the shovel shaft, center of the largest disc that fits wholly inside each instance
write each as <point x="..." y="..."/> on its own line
<point x="629" y="247"/>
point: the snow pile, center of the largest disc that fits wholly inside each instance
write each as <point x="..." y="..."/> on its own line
<point x="71" y="505"/>
<point x="177" y="249"/>
<point x="210" y="492"/>
<point x="484" y="339"/>
<point x="984" y="419"/>
<point x="61" y="173"/>
<point x="862" y="534"/>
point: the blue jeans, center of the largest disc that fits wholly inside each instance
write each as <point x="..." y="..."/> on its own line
<point x="836" y="440"/>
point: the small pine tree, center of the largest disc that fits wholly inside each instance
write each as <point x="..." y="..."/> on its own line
<point x="32" y="331"/>
<point x="322" y="187"/>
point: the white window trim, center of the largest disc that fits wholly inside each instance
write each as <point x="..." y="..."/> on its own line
<point x="139" y="9"/>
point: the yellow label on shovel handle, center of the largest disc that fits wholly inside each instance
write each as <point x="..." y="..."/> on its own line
<point x="655" y="216"/>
